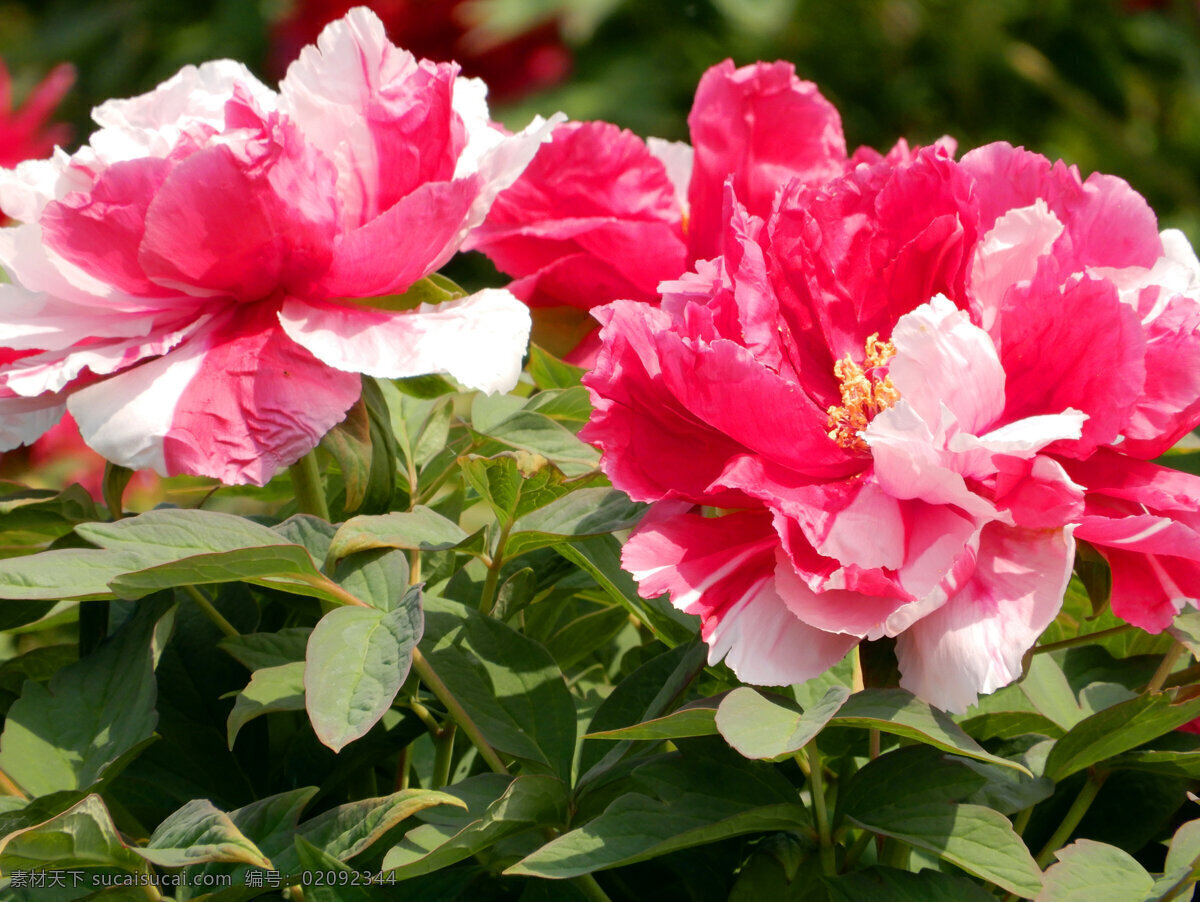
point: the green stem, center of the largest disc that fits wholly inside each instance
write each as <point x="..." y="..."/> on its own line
<point x="426" y="717"/>
<point x="211" y="612"/>
<point x="1086" y="639"/>
<point x="1074" y="815"/>
<point x="306" y="482"/>
<point x="1165" y="666"/>
<point x="1022" y="821"/>
<point x="592" y="890"/>
<point x="443" y="756"/>
<point x="403" y="763"/>
<point x="820" y="813"/>
<point x="488" y="599"/>
<point x="860" y="846"/>
<point x="454" y="708"/>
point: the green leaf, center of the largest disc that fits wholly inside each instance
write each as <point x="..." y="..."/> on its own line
<point x="72" y="732"/>
<point x="421" y="528"/>
<point x="758" y="727"/>
<point x="1117" y="729"/>
<point x="1009" y="724"/>
<point x="600" y="557"/>
<point x="356" y="662"/>
<point x="258" y="650"/>
<point x="332" y="887"/>
<point x="527" y="430"/>
<point x="906" y="778"/>
<point x="880" y="884"/>
<point x="1158" y="761"/>
<point x="34" y="517"/>
<point x="514" y="483"/>
<point x="583" y="635"/>
<point x="286" y="567"/>
<point x="199" y="832"/>
<point x="527" y="801"/>
<point x="350" y="829"/>
<point x="584" y="513"/>
<point x="570" y="406"/>
<point x="509" y="685"/>
<point x="515" y="593"/>
<point x="1185" y="847"/>
<point x="1089" y="871"/>
<point x="432" y="289"/>
<point x="352" y="444"/>
<point x="82" y="836"/>
<point x="977" y="839"/>
<point x="899" y="713"/>
<point x="694" y="802"/>
<point x="279" y="688"/>
<point x="699" y="720"/>
<point x="1046" y="686"/>
<point x="550" y="372"/>
<point x="379" y="577"/>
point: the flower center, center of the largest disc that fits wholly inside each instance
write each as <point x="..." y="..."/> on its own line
<point x="864" y="392"/>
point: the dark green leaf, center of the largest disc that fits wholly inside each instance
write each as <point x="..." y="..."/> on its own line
<point x="906" y="778"/>
<point x="508" y="684"/>
<point x="526" y="802"/>
<point x="34" y="517"/>
<point x="879" y="884"/>
<point x="762" y="728"/>
<point x="694" y="802"/>
<point x="356" y="662"/>
<point x="339" y="882"/>
<point x="70" y="733"/>
<point x="259" y="650"/>
<point x="515" y="593"/>
<point x="1115" y="730"/>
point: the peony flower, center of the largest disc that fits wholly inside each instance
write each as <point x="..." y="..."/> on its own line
<point x="202" y="284"/>
<point x="601" y="215"/>
<point x="24" y="133"/>
<point x="878" y="410"/>
<point x="440" y="30"/>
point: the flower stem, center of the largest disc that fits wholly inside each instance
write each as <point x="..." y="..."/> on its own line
<point x="592" y="890"/>
<point x="306" y="482"/>
<point x="821" y="814"/>
<point x="211" y="612"/>
<point x="1074" y="815"/>
<point x="1165" y="666"/>
<point x="443" y="757"/>
<point x="1085" y="639"/>
<point x="487" y="599"/>
<point x="455" y="709"/>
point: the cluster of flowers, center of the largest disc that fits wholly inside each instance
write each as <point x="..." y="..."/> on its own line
<point x="867" y="395"/>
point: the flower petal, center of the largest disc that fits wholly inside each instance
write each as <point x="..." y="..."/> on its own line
<point x="479" y="340"/>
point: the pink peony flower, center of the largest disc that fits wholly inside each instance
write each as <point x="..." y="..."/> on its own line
<point x="878" y="409"/>
<point x="440" y="30"/>
<point x="202" y="284"/>
<point x="24" y="133"/>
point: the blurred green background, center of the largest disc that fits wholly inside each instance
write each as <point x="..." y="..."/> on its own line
<point x="1111" y="85"/>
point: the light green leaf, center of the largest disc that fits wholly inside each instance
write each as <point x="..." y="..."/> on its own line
<point x="279" y="688"/>
<point x="898" y="712"/>
<point x="550" y="372"/>
<point x="527" y="430"/>
<point x="421" y="528"/>
<point x="82" y="836"/>
<point x="199" y="832"/>
<point x="356" y="662"/>
<point x="693" y="721"/>
<point x="1117" y="729"/>
<point x="379" y="577"/>
<point x="515" y="483"/>
<point x="430" y="290"/>
<point x="977" y="839"/>
<point x="1046" y="686"/>
<point x="584" y="513"/>
<point x="1089" y="871"/>
<point x="527" y="801"/>
<point x="761" y="728"/>
<point x="1185" y="847"/>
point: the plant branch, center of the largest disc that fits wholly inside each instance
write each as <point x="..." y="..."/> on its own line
<point x="1086" y="639"/>
<point x="210" y="611"/>
<point x="454" y="708"/>
<point x="1074" y="815"/>
<point x="487" y="599"/>
<point x="306" y="481"/>
<point x="1165" y="666"/>
<point x="820" y="813"/>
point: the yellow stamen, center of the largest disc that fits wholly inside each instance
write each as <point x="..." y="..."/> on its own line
<point x="864" y="394"/>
